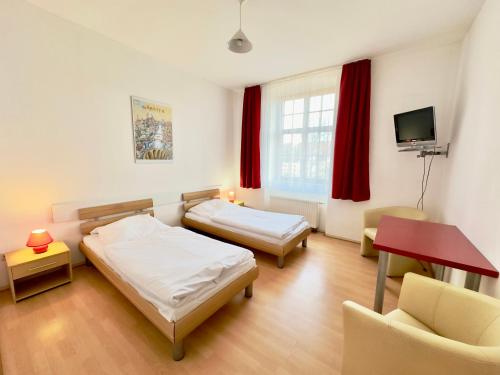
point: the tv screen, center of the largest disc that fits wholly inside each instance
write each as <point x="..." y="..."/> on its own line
<point x="415" y="128"/>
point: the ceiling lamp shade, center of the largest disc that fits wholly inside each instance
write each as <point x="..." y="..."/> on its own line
<point x="239" y="43"/>
<point x="39" y="240"/>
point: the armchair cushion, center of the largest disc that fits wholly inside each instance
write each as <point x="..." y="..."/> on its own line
<point x="403" y="317"/>
<point x="370" y="233"/>
<point x="419" y="298"/>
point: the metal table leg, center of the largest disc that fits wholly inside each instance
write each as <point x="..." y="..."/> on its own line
<point x="383" y="258"/>
<point x="472" y="281"/>
<point x="439" y="272"/>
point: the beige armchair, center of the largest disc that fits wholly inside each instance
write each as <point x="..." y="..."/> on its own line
<point x="398" y="265"/>
<point x="437" y="329"/>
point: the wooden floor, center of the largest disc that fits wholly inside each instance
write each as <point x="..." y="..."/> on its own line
<point x="292" y="325"/>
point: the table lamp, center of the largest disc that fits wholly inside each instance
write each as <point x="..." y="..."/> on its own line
<point x="231" y="196"/>
<point x="39" y="240"/>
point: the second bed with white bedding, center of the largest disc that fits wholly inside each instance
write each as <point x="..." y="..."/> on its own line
<point x="278" y="241"/>
<point x="271" y="226"/>
<point x="173" y="268"/>
<point x="270" y="232"/>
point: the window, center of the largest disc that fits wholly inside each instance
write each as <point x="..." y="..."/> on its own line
<point x="304" y="151"/>
<point x="298" y="131"/>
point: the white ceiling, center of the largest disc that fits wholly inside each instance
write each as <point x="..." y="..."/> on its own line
<point x="289" y="36"/>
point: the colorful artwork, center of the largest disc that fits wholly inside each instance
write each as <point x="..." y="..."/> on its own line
<point x="152" y="124"/>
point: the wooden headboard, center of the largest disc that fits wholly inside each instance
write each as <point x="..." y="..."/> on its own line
<point x="101" y="215"/>
<point x="196" y="197"/>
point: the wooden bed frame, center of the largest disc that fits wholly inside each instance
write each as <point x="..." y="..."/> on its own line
<point x="174" y="331"/>
<point x="194" y="198"/>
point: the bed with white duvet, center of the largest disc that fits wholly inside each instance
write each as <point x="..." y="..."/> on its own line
<point x="272" y="226"/>
<point x="272" y="232"/>
<point x="171" y="267"/>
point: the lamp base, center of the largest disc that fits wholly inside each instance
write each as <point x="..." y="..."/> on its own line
<point x="40" y="249"/>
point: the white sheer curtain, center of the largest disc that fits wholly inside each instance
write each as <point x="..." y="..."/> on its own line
<point x="298" y="126"/>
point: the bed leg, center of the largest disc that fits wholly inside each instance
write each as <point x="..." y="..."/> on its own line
<point x="304" y="242"/>
<point x="178" y="350"/>
<point x="281" y="261"/>
<point x="249" y="291"/>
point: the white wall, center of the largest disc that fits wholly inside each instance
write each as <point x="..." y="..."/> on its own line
<point x="402" y="81"/>
<point x="471" y="197"/>
<point x="66" y="131"/>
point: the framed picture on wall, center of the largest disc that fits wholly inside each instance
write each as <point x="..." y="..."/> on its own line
<point x="152" y="128"/>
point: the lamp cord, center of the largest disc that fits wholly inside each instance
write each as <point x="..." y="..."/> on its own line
<point x="241" y="2"/>
<point x="423" y="189"/>
<point x="420" y="202"/>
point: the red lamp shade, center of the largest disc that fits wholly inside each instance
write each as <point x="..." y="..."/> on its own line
<point x="39" y="240"/>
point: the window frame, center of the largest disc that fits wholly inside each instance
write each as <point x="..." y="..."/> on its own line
<point x="278" y="181"/>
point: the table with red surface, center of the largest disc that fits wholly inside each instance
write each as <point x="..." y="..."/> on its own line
<point x="440" y="244"/>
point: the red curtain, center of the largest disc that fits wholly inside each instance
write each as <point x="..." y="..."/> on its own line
<point x="351" y="178"/>
<point x="250" y="139"/>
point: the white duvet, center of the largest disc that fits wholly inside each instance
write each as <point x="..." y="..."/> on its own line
<point x="173" y="264"/>
<point x="271" y="224"/>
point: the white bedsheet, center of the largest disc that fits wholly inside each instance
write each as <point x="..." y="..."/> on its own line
<point x="271" y="224"/>
<point x="278" y="241"/>
<point x="174" y="269"/>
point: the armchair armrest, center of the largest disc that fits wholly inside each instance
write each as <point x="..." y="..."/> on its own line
<point x="377" y="345"/>
<point x="371" y="217"/>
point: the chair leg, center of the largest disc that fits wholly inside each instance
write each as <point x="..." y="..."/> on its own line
<point x="178" y="350"/>
<point x="304" y="242"/>
<point x="249" y="291"/>
<point x="281" y="261"/>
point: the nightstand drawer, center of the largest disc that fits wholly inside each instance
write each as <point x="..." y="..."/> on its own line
<point x="32" y="268"/>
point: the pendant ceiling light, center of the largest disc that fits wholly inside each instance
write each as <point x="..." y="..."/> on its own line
<point x="239" y="43"/>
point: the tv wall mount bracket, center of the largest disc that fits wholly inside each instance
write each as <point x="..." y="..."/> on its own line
<point x="430" y="151"/>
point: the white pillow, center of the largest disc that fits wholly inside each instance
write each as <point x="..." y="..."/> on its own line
<point x="208" y="208"/>
<point x="128" y="229"/>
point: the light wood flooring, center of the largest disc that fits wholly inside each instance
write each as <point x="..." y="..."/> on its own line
<point x="292" y="325"/>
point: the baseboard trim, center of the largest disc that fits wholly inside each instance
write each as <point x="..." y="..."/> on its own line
<point x="78" y="264"/>
<point x="343" y="238"/>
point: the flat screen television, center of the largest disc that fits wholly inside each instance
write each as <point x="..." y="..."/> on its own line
<point x="415" y="128"/>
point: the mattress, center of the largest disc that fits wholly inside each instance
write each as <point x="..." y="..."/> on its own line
<point x="168" y="310"/>
<point x="277" y="241"/>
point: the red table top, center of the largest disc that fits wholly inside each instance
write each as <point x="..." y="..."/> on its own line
<point x="432" y="242"/>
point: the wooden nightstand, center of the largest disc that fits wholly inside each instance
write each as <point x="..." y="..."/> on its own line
<point x="31" y="273"/>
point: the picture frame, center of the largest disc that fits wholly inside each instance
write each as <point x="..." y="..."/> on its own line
<point x="152" y="131"/>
